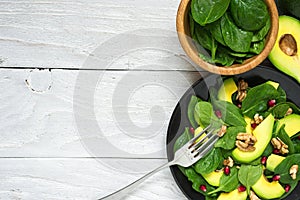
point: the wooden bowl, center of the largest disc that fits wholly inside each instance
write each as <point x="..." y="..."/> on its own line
<point x="183" y="30"/>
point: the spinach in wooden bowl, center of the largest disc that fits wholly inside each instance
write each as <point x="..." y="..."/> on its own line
<point x="230" y="30"/>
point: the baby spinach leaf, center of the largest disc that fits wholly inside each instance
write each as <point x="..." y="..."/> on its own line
<point x="210" y="162"/>
<point x="182" y="139"/>
<point x="231" y="114"/>
<point x="257" y="47"/>
<point x="282" y="95"/>
<point x="205" y="12"/>
<point x="293" y="186"/>
<point x="228" y="140"/>
<point x="257" y="98"/>
<point x="250" y="15"/>
<point x="261" y="34"/>
<point x="204" y="114"/>
<point x="191" y="108"/>
<point x="216" y="31"/>
<point x="283" y="169"/>
<point x="248" y="175"/>
<point x="228" y="183"/>
<point x="235" y="38"/>
<point x="279" y="110"/>
<point x="295" y="108"/>
<point x="268" y="150"/>
<point x="286" y="139"/>
<point x="203" y="37"/>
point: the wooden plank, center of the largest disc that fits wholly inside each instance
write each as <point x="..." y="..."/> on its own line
<point x="63" y="34"/>
<point x="132" y="108"/>
<point x="45" y="179"/>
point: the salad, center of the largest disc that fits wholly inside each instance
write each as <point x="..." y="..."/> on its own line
<point x="258" y="153"/>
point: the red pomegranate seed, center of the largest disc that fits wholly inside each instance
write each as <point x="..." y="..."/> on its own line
<point x="218" y="113"/>
<point x="241" y="188"/>
<point x="276" y="177"/>
<point x="272" y="103"/>
<point x="192" y="130"/>
<point x="227" y="170"/>
<point x="263" y="160"/>
<point x="253" y="125"/>
<point x="203" y="188"/>
<point x="239" y="105"/>
<point x="276" y="151"/>
<point x="287" y="188"/>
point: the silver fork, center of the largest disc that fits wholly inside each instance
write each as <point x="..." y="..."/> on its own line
<point x="187" y="155"/>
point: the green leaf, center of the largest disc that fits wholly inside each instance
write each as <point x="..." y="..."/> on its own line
<point x="231" y="114"/>
<point x="191" y="109"/>
<point x="279" y="110"/>
<point x="261" y="34"/>
<point x="182" y="139"/>
<point x="286" y="139"/>
<point x="283" y="169"/>
<point x="205" y="12"/>
<point x="204" y="37"/>
<point x="228" y="140"/>
<point x="216" y="31"/>
<point x="210" y="162"/>
<point x="257" y="47"/>
<point x="204" y="114"/>
<point x="235" y="38"/>
<point x="248" y="175"/>
<point x="250" y="15"/>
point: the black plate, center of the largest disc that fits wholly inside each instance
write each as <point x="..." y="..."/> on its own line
<point x="179" y="119"/>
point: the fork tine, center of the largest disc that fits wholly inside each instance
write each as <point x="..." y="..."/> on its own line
<point x="192" y="141"/>
<point x="196" y="144"/>
<point x="207" y="146"/>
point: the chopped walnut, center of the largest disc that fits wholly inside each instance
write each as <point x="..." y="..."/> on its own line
<point x="289" y="111"/>
<point x="245" y="142"/>
<point x="280" y="145"/>
<point x="293" y="171"/>
<point x="242" y="90"/>
<point x="228" y="162"/>
<point x="258" y="118"/>
<point x="222" y="131"/>
<point x="253" y="196"/>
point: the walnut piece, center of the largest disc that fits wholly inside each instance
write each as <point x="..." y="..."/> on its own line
<point x="228" y="162"/>
<point x="253" y="196"/>
<point x="242" y="90"/>
<point x="258" y="118"/>
<point x="293" y="171"/>
<point x="289" y="111"/>
<point x="222" y="131"/>
<point x="280" y="145"/>
<point x="245" y="142"/>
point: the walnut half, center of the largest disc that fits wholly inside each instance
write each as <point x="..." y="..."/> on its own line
<point x="245" y="142"/>
<point x="280" y="145"/>
<point x="293" y="171"/>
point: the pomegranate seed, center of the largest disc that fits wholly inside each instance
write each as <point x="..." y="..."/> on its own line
<point x="299" y="137"/>
<point x="192" y="130"/>
<point x="218" y="113"/>
<point x="276" y="151"/>
<point x="263" y="160"/>
<point x="276" y="177"/>
<point x="287" y="188"/>
<point x="203" y="188"/>
<point x="253" y="125"/>
<point x="227" y="170"/>
<point x="239" y="105"/>
<point x="272" y="103"/>
<point x="241" y="188"/>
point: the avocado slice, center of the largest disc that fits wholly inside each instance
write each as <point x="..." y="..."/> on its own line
<point x="233" y="195"/>
<point x="284" y="54"/>
<point x="292" y="124"/>
<point x="227" y="89"/>
<point x="263" y="134"/>
<point x="273" y="83"/>
<point x="273" y="161"/>
<point x="268" y="190"/>
<point x="213" y="178"/>
<point x="248" y="124"/>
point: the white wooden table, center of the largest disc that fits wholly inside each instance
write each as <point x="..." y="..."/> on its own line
<point x="66" y="69"/>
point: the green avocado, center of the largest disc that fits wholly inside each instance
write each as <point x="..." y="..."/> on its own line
<point x="273" y="161"/>
<point x="233" y="195"/>
<point x="213" y="178"/>
<point x="292" y="124"/>
<point x="285" y="55"/>
<point x="268" y="190"/>
<point x="227" y="89"/>
<point x="263" y="134"/>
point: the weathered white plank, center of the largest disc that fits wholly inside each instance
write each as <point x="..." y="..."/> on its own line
<point x="36" y="179"/>
<point x="39" y="109"/>
<point x="63" y="34"/>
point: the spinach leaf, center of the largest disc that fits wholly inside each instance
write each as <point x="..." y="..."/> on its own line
<point x="296" y="144"/>
<point x="234" y="37"/>
<point x="261" y="34"/>
<point x="286" y="139"/>
<point x="279" y="110"/>
<point x="192" y="25"/>
<point x="204" y="114"/>
<point x="295" y="108"/>
<point x="210" y="162"/>
<point x="203" y="37"/>
<point x="257" y="98"/>
<point x="216" y="31"/>
<point x="228" y="183"/>
<point x="250" y="15"/>
<point x="268" y="150"/>
<point x="231" y="114"/>
<point x="248" y="175"/>
<point x="191" y="109"/>
<point x="282" y="95"/>
<point x="228" y="140"/>
<point x="283" y="169"/>
<point x="293" y="186"/>
<point x="182" y="139"/>
<point x="205" y="12"/>
<point x="257" y="47"/>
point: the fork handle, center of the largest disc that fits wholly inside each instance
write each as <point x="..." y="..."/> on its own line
<point x="129" y="188"/>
